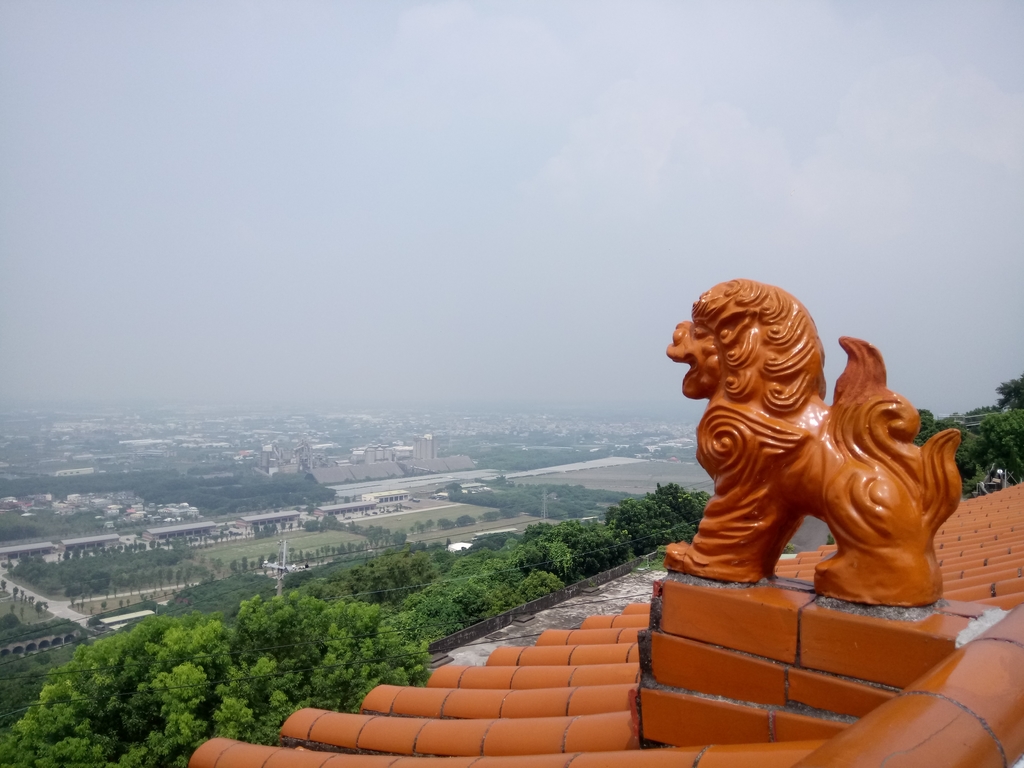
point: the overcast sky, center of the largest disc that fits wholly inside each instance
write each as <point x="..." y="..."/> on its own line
<point x="403" y="202"/>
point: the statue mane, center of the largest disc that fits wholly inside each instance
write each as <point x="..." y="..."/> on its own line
<point x="768" y="345"/>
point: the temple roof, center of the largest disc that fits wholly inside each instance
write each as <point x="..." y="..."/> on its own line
<point x="570" y="698"/>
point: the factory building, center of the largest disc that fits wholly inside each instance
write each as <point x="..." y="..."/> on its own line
<point x="248" y="522"/>
<point x="386" y="497"/>
<point x="424" y="447"/>
<point x="89" y="542"/>
<point x="166" y="532"/>
<point x="27" y="550"/>
<point x="345" y="510"/>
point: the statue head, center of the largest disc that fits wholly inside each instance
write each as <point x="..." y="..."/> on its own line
<point x="753" y="344"/>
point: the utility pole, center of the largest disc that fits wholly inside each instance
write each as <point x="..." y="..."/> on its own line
<point x="280" y="568"/>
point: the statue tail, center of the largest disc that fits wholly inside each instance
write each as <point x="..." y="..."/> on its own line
<point x="941" y="476"/>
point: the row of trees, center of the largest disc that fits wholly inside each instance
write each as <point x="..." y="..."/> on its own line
<point x="998" y="441"/>
<point x="110" y="572"/>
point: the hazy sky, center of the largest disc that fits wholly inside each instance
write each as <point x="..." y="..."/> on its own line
<point x="395" y="202"/>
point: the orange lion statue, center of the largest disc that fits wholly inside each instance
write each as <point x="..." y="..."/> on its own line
<point x="778" y="453"/>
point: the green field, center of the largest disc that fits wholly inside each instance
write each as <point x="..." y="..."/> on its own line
<point x="466" y="533"/>
<point x="405" y="521"/>
<point x="256" y="548"/>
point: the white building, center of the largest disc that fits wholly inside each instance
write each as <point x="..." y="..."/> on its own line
<point x="424" y="447"/>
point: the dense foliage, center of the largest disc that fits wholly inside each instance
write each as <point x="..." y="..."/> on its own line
<point x="997" y="442"/>
<point x="669" y="514"/>
<point x="150" y="696"/>
<point x="109" y="571"/>
<point x="23" y="678"/>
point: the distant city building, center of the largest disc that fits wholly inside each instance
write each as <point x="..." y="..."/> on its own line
<point x="167" y="532"/>
<point x="424" y="447"/>
<point x="28" y="550"/>
<point x="247" y="522"/>
<point x="386" y="497"/>
<point x="72" y="472"/>
<point x="345" y="510"/>
<point x="89" y="542"/>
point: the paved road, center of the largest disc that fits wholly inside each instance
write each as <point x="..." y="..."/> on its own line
<point x="59" y="608"/>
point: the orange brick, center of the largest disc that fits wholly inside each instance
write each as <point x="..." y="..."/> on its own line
<point x="683" y="720"/>
<point x="992" y="574"/>
<point x="542" y="677"/>
<point x="650" y="758"/>
<point x="435" y="737"/>
<point x="446" y="676"/>
<point x="338" y="729"/>
<point x="420" y="702"/>
<point x="379" y="700"/>
<point x="548" y="655"/>
<point x="638" y="620"/>
<point x="595" y="699"/>
<point x="986" y="677"/>
<point x="475" y="703"/>
<point x="1006" y="602"/>
<point x="539" y="702"/>
<point x="977" y="592"/>
<point x="959" y="608"/>
<point x="600" y="733"/>
<point x="605" y="674"/>
<point x="683" y="663"/>
<point x="910" y="732"/>
<point x="602" y="654"/>
<point x="833" y="694"/>
<point x="526" y="737"/>
<point x="383" y="734"/>
<point x="1008" y="587"/>
<point x="301" y="721"/>
<point x="505" y="656"/>
<point x="475" y="677"/>
<point x="879" y="650"/>
<point x="758" y="620"/>
<point x="1010" y="628"/>
<point x="789" y="726"/>
<point x="777" y="755"/>
<point x="635" y="608"/>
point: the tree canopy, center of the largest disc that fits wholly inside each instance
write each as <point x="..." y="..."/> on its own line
<point x="1011" y="394"/>
<point x="669" y="514"/>
<point x="150" y="696"/>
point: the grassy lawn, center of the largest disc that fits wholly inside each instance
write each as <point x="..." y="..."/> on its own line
<point x="405" y="521"/>
<point x="466" y="533"/>
<point x="256" y="548"/>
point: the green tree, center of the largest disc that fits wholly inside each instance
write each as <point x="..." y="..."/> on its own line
<point x="669" y="514"/>
<point x="148" y="697"/>
<point x="1011" y="394"/>
<point x="389" y="578"/>
<point x="1001" y="442"/>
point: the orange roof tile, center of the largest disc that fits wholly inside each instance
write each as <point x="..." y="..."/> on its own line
<point x="759" y="677"/>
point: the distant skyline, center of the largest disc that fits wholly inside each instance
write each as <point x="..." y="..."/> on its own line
<point x="322" y="204"/>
